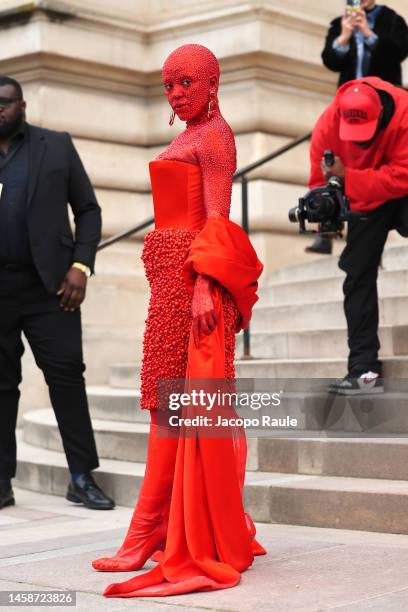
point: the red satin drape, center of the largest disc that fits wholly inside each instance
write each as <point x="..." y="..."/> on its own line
<point x="223" y="251"/>
<point x="210" y="538"/>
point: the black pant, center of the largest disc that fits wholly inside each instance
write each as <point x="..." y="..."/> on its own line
<point x="55" y="338"/>
<point x="360" y="260"/>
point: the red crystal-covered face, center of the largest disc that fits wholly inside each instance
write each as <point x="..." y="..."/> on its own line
<point x="190" y="73"/>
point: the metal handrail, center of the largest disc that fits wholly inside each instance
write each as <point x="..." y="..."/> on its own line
<point x="267" y="158"/>
<point x="130" y="232"/>
<point x="240" y="175"/>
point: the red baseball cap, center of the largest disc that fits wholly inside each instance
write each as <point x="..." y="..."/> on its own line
<point x="360" y="107"/>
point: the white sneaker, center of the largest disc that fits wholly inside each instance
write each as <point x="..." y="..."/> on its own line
<point x="367" y="383"/>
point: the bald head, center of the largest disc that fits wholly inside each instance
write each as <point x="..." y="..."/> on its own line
<point x="193" y="56"/>
<point x="190" y="77"/>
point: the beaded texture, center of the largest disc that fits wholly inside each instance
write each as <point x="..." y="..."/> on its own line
<point x="169" y="318"/>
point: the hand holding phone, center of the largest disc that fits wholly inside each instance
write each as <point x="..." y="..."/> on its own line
<point x="347" y="27"/>
<point x="360" y="23"/>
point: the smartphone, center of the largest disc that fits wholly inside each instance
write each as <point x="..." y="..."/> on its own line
<point x="353" y="6"/>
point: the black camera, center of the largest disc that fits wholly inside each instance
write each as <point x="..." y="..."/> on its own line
<point x="326" y="205"/>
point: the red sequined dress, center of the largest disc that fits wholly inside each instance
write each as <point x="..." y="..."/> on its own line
<point x="179" y="216"/>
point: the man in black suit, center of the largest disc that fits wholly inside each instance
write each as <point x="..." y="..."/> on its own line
<point x="43" y="278"/>
<point x="370" y="41"/>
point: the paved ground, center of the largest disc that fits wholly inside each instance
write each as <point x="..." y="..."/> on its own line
<point x="47" y="543"/>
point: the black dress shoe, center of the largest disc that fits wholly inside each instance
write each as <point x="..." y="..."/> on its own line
<point x="6" y="494"/>
<point x="85" y="491"/>
<point x="322" y="245"/>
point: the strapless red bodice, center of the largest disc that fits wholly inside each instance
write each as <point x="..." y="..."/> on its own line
<point x="177" y="195"/>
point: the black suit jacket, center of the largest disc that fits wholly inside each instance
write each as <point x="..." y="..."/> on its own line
<point x="391" y="49"/>
<point x="57" y="178"/>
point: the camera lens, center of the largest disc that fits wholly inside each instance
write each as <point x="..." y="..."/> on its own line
<point x="294" y="215"/>
<point x="321" y="208"/>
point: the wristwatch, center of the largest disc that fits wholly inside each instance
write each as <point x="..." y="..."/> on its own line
<point x="83" y="268"/>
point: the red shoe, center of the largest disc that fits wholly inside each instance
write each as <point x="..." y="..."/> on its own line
<point x="148" y="528"/>
<point x="134" y="552"/>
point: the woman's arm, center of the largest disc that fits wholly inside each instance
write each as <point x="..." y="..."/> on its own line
<point x="336" y="60"/>
<point x="217" y="158"/>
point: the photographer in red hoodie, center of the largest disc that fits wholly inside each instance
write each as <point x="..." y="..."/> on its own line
<point x="366" y="126"/>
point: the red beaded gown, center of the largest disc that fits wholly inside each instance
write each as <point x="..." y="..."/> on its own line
<point x="210" y="539"/>
<point x="179" y="216"/>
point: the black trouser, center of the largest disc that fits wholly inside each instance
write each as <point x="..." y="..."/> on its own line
<point x="360" y="260"/>
<point x="55" y="338"/>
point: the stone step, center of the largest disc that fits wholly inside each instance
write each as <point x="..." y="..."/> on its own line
<point x="127" y="374"/>
<point x="115" y="300"/>
<point x="46" y="471"/>
<point x="318" y="315"/>
<point x="117" y="404"/>
<point x="331" y="453"/>
<point x="303" y="369"/>
<point x="379" y="415"/>
<point x="320" y="501"/>
<point x="390" y="282"/>
<point x="328" y="501"/>
<point x="119" y="259"/>
<point x="114" y="439"/>
<point x="317" y="268"/>
<point x="385" y="458"/>
<point x="319" y="343"/>
<point x="114" y="311"/>
<point x="106" y="345"/>
<point x="314" y="410"/>
<point x="394" y="258"/>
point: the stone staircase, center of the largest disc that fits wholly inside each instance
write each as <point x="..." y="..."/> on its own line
<point x="331" y="476"/>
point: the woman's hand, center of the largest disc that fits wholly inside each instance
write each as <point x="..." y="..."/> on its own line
<point x="360" y="22"/>
<point x="347" y="27"/>
<point x="204" y="315"/>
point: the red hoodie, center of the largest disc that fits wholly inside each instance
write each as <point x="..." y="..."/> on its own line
<point x="374" y="175"/>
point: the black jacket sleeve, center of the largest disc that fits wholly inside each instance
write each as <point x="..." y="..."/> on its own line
<point x="87" y="212"/>
<point x="330" y="58"/>
<point x="393" y="40"/>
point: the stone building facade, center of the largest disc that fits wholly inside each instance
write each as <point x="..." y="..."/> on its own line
<point x="93" y="68"/>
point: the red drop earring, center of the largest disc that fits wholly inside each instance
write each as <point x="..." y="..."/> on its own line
<point x="211" y="104"/>
<point x="172" y="117"/>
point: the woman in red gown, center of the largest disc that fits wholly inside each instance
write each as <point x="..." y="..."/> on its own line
<point x="203" y="273"/>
